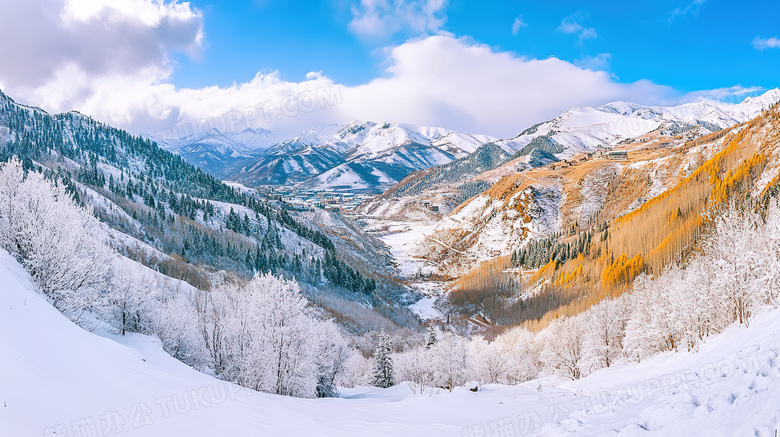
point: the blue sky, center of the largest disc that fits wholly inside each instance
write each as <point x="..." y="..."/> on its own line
<point x="491" y="67"/>
<point x="686" y="45"/>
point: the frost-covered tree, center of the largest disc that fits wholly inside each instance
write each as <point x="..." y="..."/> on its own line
<point x="696" y="306"/>
<point x="259" y="335"/>
<point x="416" y="368"/>
<point x="383" y="362"/>
<point x="563" y="351"/>
<point x="173" y="320"/>
<point x="450" y="361"/>
<point x="357" y="370"/>
<point x="734" y="245"/>
<point x="649" y="328"/>
<point x="605" y="328"/>
<point x="769" y="246"/>
<point x="130" y="290"/>
<point x="488" y="361"/>
<point x="61" y="244"/>
<point x="523" y="348"/>
<point x="332" y="355"/>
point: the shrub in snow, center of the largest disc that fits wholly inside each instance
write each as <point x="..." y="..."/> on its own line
<point x="357" y="370"/>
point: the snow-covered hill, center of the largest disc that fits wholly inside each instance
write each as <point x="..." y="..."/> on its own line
<point x="173" y="217"/>
<point x="360" y="155"/>
<point x="60" y="380"/>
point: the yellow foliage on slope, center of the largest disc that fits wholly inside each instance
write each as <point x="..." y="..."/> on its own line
<point x="622" y="270"/>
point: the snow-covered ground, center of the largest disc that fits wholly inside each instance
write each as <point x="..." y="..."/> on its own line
<point x="431" y="291"/>
<point x="401" y="237"/>
<point x="58" y="379"/>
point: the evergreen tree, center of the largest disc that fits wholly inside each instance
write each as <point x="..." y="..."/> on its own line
<point x="383" y="362"/>
<point x="430" y="336"/>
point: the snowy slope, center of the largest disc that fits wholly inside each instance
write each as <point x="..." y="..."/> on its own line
<point x="59" y="379"/>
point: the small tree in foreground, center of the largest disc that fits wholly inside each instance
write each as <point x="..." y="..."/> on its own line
<point x="383" y="363"/>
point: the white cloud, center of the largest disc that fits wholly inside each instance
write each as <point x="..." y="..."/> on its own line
<point x="732" y="94"/>
<point x="41" y="38"/>
<point x="691" y="8"/>
<point x="766" y="43"/>
<point x="518" y="24"/>
<point x="588" y="33"/>
<point x="437" y="80"/>
<point x="380" y="19"/>
<point x="570" y="25"/>
<point x="462" y="85"/>
<point x="599" y="62"/>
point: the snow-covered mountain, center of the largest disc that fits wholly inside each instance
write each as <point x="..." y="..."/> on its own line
<point x="577" y="131"/>
<point x="519" y="204"/>
<point x="215" y="151"/>
<point x="360" y="155"/>
<point x="602" y="127"/>
<point x="368" y="155"/>
<point x="144" y="195"/>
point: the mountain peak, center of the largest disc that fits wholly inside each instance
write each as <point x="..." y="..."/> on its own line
<point x="767" y="99"/>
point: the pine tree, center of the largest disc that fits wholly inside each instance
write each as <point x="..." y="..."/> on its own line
<point x="383" y="363"/>
<point x="430" y="336"/>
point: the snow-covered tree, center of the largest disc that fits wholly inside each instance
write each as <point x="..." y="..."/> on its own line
<point x="130" y="289"/>
<point x="770" y="249"/>
<point x="430" y="336"/>
<point x="605" y="327"/>
<point x="358" y="370"/>
<point x="450" y="361"/>
<point x="172" y="318"/>
<point x="259" y="335"/>
<point x="522" y="347"/>
<point x="733" y="245"/>
<point x="332" y="355"/>
<point x="488" y="361"/>
<point x="383" y="362"/>
<point x="563" y="351"/>
<point x="61" y="244"/>
<point x="416" y="368"/>
<point x="649" y="329"/>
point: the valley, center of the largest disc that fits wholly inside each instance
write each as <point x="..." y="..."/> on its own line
<point x="389" y="218"/>
<point x="487" y="260"/>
